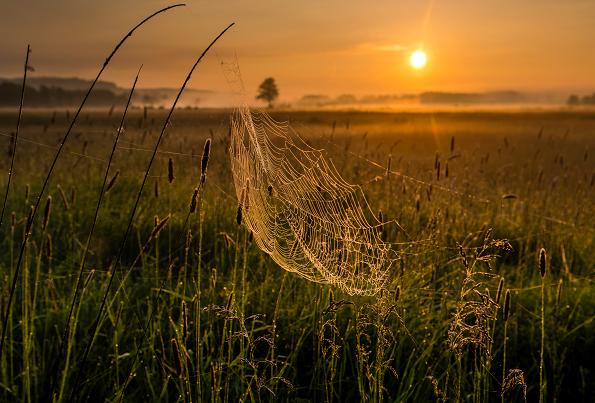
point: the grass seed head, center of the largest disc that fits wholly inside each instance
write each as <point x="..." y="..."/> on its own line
<point x="112" y="181"/>
<point x="542" y="261"/>
<point x="240" y="207"/>
<point x="159" y="224"/>
<point x="194" y="201"/>
<point x="506" y="306"/>
<point x="170" y="170"/>
<point x="46" y="213"/>
<point x="204" y="163"/>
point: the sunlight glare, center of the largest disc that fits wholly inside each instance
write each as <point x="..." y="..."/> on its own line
<point x="418" y="59"/>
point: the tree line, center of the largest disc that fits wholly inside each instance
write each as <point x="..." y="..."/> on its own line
<point x="575" y="100"/>
<point x="55" y="96"/>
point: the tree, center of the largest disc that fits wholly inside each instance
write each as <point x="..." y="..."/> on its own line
<point x="573" y="100"/>
<point x="267" y="91"/>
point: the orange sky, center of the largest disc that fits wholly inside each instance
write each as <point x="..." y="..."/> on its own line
<point x="323" y="47"/>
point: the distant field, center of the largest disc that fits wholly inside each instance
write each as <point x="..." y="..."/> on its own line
<point x="214" y="318"/>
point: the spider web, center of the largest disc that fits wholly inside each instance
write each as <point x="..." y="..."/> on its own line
<point x="300" y="210"/>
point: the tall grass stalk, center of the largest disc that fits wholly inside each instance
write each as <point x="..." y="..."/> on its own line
<point x="542" y="272"/>
<point x="68" y="330"/>
<point x="7" y="317"/>
<point x="97" y="320"/>
<point x="57" y="155"/>
<point x="505" y="315"/>
<point x="16" y="137"/>
<point x="197" y="200"/>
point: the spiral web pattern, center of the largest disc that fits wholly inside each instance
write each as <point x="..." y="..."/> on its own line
<point x="299" y="209"/>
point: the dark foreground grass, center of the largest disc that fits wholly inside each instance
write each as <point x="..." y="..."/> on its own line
<point x="233" y="326"/>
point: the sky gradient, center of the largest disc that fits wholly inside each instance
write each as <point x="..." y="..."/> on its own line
<point x="320" y="47"/>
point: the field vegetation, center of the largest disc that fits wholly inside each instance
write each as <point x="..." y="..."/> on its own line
<point x="472" y="311"/>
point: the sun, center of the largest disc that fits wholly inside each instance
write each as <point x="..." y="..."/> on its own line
<point x="418" y="59"/>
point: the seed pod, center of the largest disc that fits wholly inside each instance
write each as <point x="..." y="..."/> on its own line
<point x="270" y="190"/>
<point x="194" y="201"/>
<point x="452" y="144"/>
<point x="542" y="259"/>
<point x="13" y="220"/>
<point x="559" y="292"/>
<point x="204" y="163"/>
<point x="506" y="305"/>
<point x="112" y="181"/>
<point x="46" y="213"/>
<point x="170" y="170"/>
<point x="381" y="220"/>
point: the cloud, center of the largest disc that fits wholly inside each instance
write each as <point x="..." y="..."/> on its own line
<point x="393" y="47"/>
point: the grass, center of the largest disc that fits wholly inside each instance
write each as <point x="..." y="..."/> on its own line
<point x="163" y="296"/>
<point x="232" y="325"/>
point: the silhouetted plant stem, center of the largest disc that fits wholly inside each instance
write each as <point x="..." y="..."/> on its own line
<point x="5" y="323"/>
<point x="97" y="320"/>
<point x="16" y="134"/>
<point x="55" y="160"/>
<point x="67" y="329"/>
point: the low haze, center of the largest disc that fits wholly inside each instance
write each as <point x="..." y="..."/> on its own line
<point x="330" y="47"/>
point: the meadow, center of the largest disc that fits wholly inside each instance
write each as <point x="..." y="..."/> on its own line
<point x="196" y="312"/>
